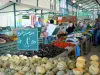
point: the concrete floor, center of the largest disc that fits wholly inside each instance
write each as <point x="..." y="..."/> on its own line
<point x="94" y="51"/>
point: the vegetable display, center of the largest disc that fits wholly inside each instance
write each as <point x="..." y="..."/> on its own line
<point x="23" y="65"/>
<point x="61" y="44"/>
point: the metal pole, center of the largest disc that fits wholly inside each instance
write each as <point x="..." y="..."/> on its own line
<point x="35" y="11"/>
<point x="37" y="3"/>
<point x="72" y="9"/>
<point x="37" y="6"/>
<point x="93" y="14"/>
<point x="14" y="7"/>
<point x="59" y="4"/>
<point x="67" y="2"/>
<point x="50" y="5"/>
<point x="41" y="12"/>
<point x="55" y="4"/>
<point x="76" y="14"/>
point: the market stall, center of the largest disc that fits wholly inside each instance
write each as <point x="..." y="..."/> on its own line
<point x="77" y="42"/>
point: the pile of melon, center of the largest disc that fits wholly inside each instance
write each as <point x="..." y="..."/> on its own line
<point x="22" y="65"/>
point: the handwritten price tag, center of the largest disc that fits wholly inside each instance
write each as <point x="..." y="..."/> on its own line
<point x="28" y="39"/>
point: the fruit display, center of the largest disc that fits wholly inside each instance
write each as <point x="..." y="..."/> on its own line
<point x="62" y="38"/>
<point x="14" y="37"/>
<point x="23" y="65"/>
<point x="2" y="41"/>
<point x="61" y="35"/>
<point x="48" y="50"/>
<point x="86" y="33"/>
<point x="6" y="38"/>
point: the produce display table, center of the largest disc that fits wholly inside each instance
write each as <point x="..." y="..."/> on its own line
<point x="85" y="46"/>
<point x="65" y="53"/>
<point x="11" y="47"/>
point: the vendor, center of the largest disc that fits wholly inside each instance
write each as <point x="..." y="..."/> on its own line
<point x="83" y="26"/>
<point x="71" y="28"/>
<point x="39" y="23"/>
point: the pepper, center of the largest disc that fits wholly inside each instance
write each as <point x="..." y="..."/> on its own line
<point x="61" y="44"/>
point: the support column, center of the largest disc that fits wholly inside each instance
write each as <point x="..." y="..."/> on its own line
<point x="41" y="13"/>
<point x="14" y="7"/>
<point x="55" y="4"/>
<point x="35" y="11"/>
<point x="76" y="14"/>
<point x="93" y="14"/>
<point x="59" y="4"/>
<point x="37" y="6"/>
<point x="37" y="3"/>
<point x="67" y="2"/>
<point x="72" y="9"/>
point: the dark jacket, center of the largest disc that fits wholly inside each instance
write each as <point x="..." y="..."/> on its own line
<point x="70" y="29"/>
<point x="98" y="25"/>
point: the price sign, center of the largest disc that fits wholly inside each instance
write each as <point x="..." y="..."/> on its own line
<point x="28" y="39"/>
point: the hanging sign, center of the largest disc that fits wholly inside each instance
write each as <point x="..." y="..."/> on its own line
<point x="27" y="39"/>
<point x="25" y="17"/>
<point x="59" y="18"/>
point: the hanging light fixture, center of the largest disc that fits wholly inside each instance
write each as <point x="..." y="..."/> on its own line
<point x="80" y="4"/>
<point x="74" y="1"/>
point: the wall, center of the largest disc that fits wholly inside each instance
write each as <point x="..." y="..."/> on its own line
<point x="30" y="2"/>
<point x="6" y="19"/>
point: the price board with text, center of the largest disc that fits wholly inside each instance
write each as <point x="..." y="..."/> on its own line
<point x="28" y="39"/>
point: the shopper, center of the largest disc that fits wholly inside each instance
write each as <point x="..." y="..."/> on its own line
<point x="83" y="26"/>
<point x="71" y="28"/>
<point x="0" y="28"/>
<point x="39" y="23"/>
<point x="97" y="31"/>
<point x="89" y="25"/>
<point x="77" y="27"/>
<point x="50" y="28"/>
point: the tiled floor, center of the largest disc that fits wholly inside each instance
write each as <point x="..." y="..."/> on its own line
<point x="94" y="51"/>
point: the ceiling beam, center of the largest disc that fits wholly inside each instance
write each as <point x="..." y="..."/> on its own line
<point x="6" y="5"/>
<point x="97" y="2"/>
<point x="80" y="1"/>
<point x="89" y="5"/>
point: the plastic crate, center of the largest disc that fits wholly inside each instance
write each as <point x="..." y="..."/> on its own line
<point x="11" y="47"/>
<point x="40" y="40"/>
<point x="6" y="48"/>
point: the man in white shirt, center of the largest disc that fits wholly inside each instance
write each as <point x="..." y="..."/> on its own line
<point x="50" y="29"/>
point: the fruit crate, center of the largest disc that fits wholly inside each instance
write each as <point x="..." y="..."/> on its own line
<point x="11" y="47"/>
<point x="40" y="40"/>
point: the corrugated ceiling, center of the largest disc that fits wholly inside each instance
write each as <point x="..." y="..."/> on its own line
<point x="88" y="4"/>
